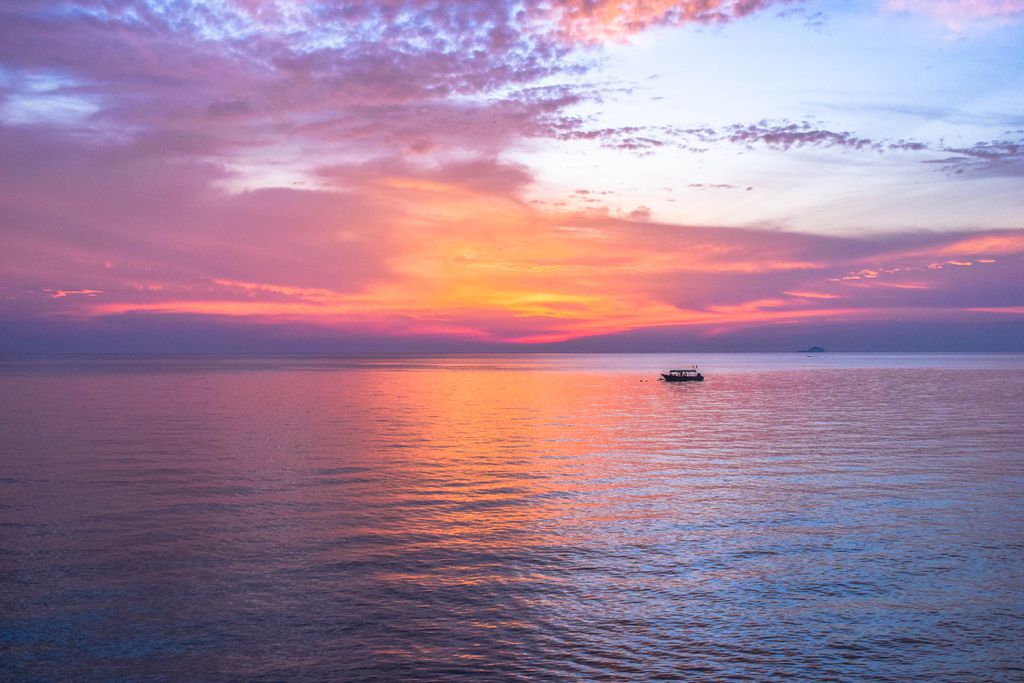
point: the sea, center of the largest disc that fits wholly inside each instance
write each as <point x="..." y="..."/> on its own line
<point x="794" y="517"/>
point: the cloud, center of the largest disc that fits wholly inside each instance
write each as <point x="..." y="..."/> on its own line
<point x="342" y="169"/>
<point x="717" y="186"/>
<point x="278" y="90"/>
<point x="786" y="135"/>
<point x="349" y="78"/>
<point x="778" y="135"/>
<point x="994" y="158"/>
<point x="399" y="249"/>
<point x="596" y="20"/>
<point x="959" y="14"/>
<point x="345" y="78"/>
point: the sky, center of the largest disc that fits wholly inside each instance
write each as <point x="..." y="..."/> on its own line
<point x="476" y="175"/>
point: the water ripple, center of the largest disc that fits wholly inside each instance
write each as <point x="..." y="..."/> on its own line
<point x="852" y="517"/>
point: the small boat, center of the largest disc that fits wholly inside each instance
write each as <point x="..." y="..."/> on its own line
<point x="689" y="375"/>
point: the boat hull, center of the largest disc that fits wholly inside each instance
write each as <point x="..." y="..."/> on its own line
<point x="677" y="378"/>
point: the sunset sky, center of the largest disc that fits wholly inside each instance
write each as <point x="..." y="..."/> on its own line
<point x="403" y="175"/>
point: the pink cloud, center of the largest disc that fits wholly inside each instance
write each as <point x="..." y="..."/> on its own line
<point x="957" y="14"/>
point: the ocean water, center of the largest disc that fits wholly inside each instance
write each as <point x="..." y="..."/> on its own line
<point x="512" y="517"/>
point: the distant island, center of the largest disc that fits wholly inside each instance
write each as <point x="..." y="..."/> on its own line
<point x="813" y="349"/>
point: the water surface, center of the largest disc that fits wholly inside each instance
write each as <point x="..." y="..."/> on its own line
<point x="512" y="517"/>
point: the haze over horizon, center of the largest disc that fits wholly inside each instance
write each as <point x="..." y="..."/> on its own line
<point x="599" y="175"/>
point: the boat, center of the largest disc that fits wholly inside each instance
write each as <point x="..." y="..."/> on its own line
<point x="688" y="375"/>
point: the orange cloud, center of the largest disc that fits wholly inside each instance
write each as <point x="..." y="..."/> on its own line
<point x="496" y="269"/>
<point x="61" y="293"/>
<point x="597" y="20"/>
<point x="465" y="262"/>
<point x="1012" y="243"/>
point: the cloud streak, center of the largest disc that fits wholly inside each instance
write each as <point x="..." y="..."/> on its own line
<point x="959" y="14"/>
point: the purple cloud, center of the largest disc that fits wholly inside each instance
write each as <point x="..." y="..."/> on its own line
<point x="993" y="158"/>
<point x="786" y="135"/>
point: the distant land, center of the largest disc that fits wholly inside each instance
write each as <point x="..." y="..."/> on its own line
<point x="813" y="349"/>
